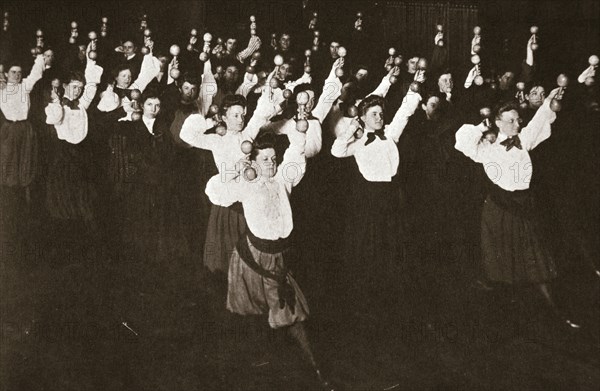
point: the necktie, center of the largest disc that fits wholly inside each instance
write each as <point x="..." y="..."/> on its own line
<point x="512" y="142"/>
<point x="372" y="135"/>
<point x="72" y="104"/>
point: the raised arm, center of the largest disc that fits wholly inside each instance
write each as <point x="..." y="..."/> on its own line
<point x="93" y="74"/>
<point x="224" y="190"/>
<point x="253" y="45"/>
<point x="293" y="166"/>
<point x="384" y="87"/>
<point x="267" y="106"/>
<point x="192" y="132"/>
<point x="150" y="68"/>
<point x="539" y="128"/>
<point x="208" y="89"/>
<point x="250" y="80"/>
<point x="36" y="73"/>
<point x="409" y="105"/>
<point x="332" y="89"/>
<point x="345" y="144"/>
<point x="469" y="141"/>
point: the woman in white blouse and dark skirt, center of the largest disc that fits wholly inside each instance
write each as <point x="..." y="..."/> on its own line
<point x="19" y="146"/>
<point x="226" y="224"/>
<point x="371" y="236"/>
<point x="70" y="191"/>
<point x="259" y="279"/>
<point x="513" y="250"/>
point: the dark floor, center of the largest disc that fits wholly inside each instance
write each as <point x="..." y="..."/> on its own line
<point x="75" y="316"/>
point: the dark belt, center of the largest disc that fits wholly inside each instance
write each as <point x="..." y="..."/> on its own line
<point x="519" y="202"/>
<point x="285" y="291"/>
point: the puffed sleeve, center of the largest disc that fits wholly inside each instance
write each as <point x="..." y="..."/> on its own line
<point x="54" y="113"/>
<point x="36" y="74"/>
<point x="293" y="166"/>
<point x="409" y="105"/>
<point x="150" y="68"/>
<point x="539" y="128"/>
<point x="109" y="100"/>
<point x="470" y="143"/>
<point x="192" y="132"/>
<point x="225" y="191"/>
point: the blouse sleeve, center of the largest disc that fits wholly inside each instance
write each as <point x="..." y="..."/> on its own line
<point x="332" y="89"/>
<point x="383" y="87"/>
<point x="208" y="88"/>
<point x="109" y="100"/>
<point x="36" y="74"/>
<point x="345" y="144"/>
<point x="54" y="113"/>
<point x="192" y="132"/>
<point x="93" y="74"/>
<point x="314" y="139"/>
<point x="293" y="166"/>
<point x="409" y="105"/>
<point x="150" y="68"/>
<point x="266" y="108"/>
<point x="539" y="128"/>
<point x="470" y="143"/>
<point x="250" y="80"/>
<point x="225" y="191"/>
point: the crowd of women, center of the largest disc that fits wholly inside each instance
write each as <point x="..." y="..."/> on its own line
<point x="223" y="153"/>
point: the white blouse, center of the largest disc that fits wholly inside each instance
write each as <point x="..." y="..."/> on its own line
<point x="266" y="200"/>
<point x="226" y="149"/>
<point x="110" y="101"/>
<point x="72" y="125"/>
<point x="314" y="135"/>
<point x="14" y="98"/>
<point x="378" y="161"/>
<point x="511" y="170"/>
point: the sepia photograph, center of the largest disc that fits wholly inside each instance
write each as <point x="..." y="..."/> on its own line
<point x="298" y="195"/>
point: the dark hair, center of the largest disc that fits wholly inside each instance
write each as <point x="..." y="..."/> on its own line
<point x="232" y="100"/>
<point x="303" y="87"/>
<point x="504" y="107"/>
<point x="358" y="68"/>
<point x="119" y="69"/>
<point x="13" y="63"/>
<point x="500" y="108"/>
<point x="132" y="40"/>
<point x="263" y="141"/>
<point x="150" y="94"/>
<point x="74" y="76"/>
<point x="368" y="102"/>
<point x="191" y="78"/>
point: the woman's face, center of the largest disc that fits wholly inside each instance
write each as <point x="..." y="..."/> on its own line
<point x="266" y="160"/>
<point x="14" y="74"/>
<point x="234" y="118"/>
<point x="124" y="79"/>
<point x="151" y="107"/>
<point x="373" y="118"/>
<point x="536" y="97"/>
<point x="74" y="89"/>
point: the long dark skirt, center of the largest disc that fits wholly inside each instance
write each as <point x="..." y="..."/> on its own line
<point x="225" y="227"/>
<point x="18" y="153"/>
<point x="70" y="191"/>
<point x="371" y="240"/>
<point x="513" y="250"/>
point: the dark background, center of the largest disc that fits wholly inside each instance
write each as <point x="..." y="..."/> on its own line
<point x="569" y="30"/>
